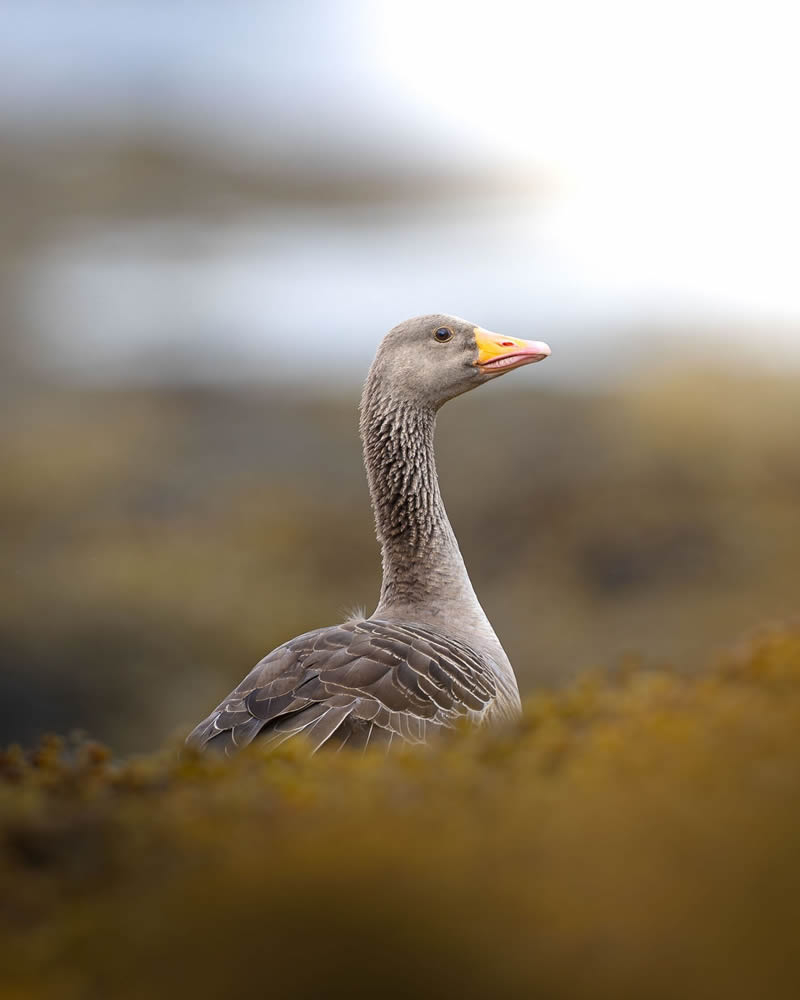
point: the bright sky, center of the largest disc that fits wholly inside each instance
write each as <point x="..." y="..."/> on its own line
<point x="672" y="128"/>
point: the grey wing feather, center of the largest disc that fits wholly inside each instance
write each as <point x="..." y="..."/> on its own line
<point x="355" y="685"/>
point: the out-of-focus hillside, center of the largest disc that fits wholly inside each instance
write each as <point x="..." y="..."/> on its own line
<point x="156" y="544"/>
<point x="119" y="249"/>
<point x="53" y="179"/>
<point x="635" y="838"/>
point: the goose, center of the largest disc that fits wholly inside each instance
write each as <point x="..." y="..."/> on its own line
<point x="428" y="655"/>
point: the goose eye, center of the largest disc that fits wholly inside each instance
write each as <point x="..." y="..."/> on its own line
<point x="443" y="334"/>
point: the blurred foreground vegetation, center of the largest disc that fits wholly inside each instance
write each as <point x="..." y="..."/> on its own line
<point x="156" y="544"/>
<point x="634" y="837"/>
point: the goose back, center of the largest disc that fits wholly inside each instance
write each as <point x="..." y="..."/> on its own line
<point x="366" y="681"/>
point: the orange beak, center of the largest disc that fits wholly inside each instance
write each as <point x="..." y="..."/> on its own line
<point x="501" y="354"/>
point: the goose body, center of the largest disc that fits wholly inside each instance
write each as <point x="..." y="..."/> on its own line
<point x="428" y="655"/>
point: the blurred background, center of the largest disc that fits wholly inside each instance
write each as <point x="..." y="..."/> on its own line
<point x="212" y="212"/>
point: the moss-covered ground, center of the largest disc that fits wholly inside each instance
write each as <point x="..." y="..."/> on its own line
<point x="636" y="835"/>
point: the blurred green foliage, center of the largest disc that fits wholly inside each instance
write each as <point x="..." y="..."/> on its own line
<point x="634" y="837"/>
<point x="157" y="543"/>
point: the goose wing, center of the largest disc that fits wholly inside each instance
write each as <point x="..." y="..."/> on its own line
<point x="353" y="684"/>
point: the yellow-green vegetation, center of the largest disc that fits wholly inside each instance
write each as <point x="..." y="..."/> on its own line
<point x="634" y="836"/>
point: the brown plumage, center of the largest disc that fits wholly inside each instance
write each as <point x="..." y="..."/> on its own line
<point x="363" y="682"/>
<point x="428" y="655"/>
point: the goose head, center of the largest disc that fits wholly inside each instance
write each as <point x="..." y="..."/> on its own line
<point x="431" y="359"/>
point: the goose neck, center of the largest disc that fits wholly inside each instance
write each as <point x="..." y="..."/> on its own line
<point x="422" y="565"/>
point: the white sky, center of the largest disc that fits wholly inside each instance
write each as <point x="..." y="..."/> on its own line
<point x="672" y="128"/>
